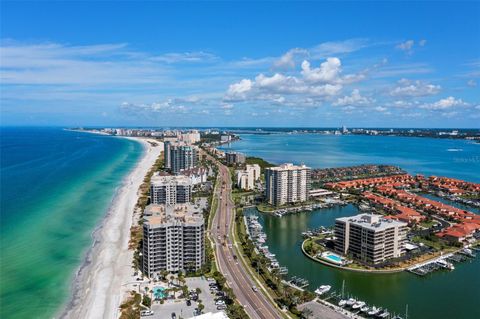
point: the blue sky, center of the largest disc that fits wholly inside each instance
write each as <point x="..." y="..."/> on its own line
<point x="315" y="64"/>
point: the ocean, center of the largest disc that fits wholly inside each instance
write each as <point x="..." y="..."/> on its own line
<point x="440" y="295"/>
<point x="56" y="186"/>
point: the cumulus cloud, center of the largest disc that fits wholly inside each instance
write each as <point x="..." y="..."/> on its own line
<point x="311" y="84"/>
<point x="444" y="104"/>
<point x="328" y="72"/>
<point x="408" y="88"/>
<point x="354" y="99"/>
<point x="238" y="91"/>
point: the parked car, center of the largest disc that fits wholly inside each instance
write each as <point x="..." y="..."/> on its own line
<point x="189" y="303"/>
<point x="220" y="302"/>
<point x="174" y="315"/>
<point x="254" y="288"/>
<point x="221" y="307"/>
<point x="145" y="313"/>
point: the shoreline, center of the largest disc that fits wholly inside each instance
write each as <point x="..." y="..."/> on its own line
<point x="99" y="284"/>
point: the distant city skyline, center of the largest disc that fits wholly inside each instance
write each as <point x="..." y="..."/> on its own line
<point x="224" y="64"/>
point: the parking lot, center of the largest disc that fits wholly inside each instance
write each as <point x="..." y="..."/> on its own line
<point x="179" y="306"/>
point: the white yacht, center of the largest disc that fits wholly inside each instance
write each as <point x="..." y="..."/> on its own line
<point x="358" y="305"/>
<point x="323" y="289"/>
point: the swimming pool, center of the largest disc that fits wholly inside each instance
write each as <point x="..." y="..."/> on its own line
<point x="333" y="258"/>
<point x="159" y="292"/>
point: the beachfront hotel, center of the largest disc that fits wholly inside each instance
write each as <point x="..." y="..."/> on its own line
<point x="179" y="156"/>
<point x="173" y="239"/>
<point x="370" y="238"/>
<point x="170" y="190"/>
<point x="287" y="184"/>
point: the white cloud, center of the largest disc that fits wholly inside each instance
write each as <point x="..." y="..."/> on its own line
<point x="238" y="91"/>
<point x="287" y="61"/>
<point x="354" y="99"/>
<point x="422" y="42"/>
<point x="444" y="104"/>
<point x="313" y="83"/>
<point x="320" y="51"/>
<point x="189" y="57"/>
<point x="417" y="88"/>
<point x="406" y="46"/>
<point x="381" y="109"/>
<point x="328" y="72"/>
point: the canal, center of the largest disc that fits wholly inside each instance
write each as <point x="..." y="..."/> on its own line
<point x="432" y="296"/>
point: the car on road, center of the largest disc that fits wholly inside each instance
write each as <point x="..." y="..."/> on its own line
<point x="254" y="288"/>
<point x="174" y="315"/>
<point x="145" y="313"/>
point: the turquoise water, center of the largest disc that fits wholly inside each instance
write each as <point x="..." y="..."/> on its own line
<point x="440" y="295"/>
<point x="55" y="187"/>
<point x="334" y="258"/>
<point x="159" y="292"/>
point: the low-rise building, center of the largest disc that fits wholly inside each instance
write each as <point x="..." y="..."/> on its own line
<point x="173" y="239"/>
<point x="370" y="238"/>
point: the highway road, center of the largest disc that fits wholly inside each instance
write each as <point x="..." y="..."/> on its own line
<point x="255" y="304"/>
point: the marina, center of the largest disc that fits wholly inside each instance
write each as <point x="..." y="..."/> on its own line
<point x="445" y="262"/>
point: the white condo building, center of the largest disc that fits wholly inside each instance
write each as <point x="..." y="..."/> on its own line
<point x="170" y="190"/>
<point x="287" y="183"/>
<point x="246" y="178"/>
<point x="370" y="238"/>
<point x="173" y="239"/>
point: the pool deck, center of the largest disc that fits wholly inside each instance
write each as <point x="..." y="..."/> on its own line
<point x="325" y="262"/>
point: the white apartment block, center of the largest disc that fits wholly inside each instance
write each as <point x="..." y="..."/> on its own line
<point x="246" y="178"/>
<point x="370" y="238"/>
<point x="173" y="239"/>
<point x="170" y="190"/>
<point x="190" y="137"/>
<point x="287" y="184"/>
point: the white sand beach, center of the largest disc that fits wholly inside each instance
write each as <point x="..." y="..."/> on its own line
<point x="106" y="275"/>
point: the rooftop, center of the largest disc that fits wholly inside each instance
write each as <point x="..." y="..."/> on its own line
<point x="160" y="178"/>
<point x="372" y="221"/>
<point x="156" y="215"/>
<point x="288" y="167"/>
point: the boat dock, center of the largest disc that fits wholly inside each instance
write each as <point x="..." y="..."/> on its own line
<point x="443" y="262"/>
